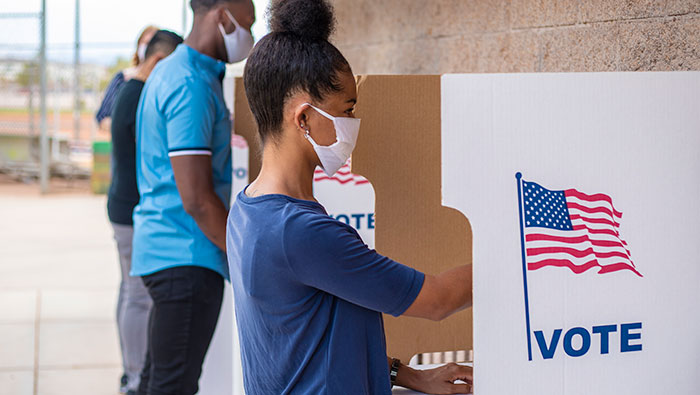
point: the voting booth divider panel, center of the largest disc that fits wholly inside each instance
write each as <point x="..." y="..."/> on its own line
<point x="471" y="142"/>
<point x="399" y="151"/>
<point x="580" y="189"/>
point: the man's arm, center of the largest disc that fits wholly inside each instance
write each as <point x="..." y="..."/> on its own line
<point x="443" y="295"/>
<point x="193" y="177"/>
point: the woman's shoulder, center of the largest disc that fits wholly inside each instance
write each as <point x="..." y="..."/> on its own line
<point x="314" y="224"/>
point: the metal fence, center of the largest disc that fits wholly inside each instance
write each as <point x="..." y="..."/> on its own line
<point x="20" y="140"/>
<point x="48" y="100"/>
<point x="47" y="107"/>
<point x="20" y="117"/>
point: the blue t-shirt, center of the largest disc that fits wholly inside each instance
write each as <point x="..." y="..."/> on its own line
<point x="308" y="295"/>
<point x="181" y="112"/>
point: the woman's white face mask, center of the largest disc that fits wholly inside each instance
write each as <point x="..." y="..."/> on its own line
<point x="334" y="156"/>
<point x="141" y="52"/>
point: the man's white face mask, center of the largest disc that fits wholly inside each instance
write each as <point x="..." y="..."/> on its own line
<point x="238" y="43"/>
<point x="334" y="156"/>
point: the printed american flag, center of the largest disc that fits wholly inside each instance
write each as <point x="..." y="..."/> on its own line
<point x="238" y="141"/>
<point x="343" y="176"/>
<point x="574" y="230"/>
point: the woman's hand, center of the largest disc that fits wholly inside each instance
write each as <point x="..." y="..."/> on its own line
<point x="440" y="380"/>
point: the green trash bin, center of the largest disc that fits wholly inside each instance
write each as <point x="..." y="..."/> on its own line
<point x="101" y="166"/>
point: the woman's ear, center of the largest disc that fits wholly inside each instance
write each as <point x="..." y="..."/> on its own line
<point x="301" y="118"/>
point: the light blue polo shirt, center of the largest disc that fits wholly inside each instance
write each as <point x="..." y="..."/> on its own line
<point x="181" y="112"/>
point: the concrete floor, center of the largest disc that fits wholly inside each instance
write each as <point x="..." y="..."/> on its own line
<point x="58" y="287"/>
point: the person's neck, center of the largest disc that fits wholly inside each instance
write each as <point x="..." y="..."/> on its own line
<point x="284" y="172"/>
<point x="201" y="40"/>
<point x="142" y="71"/>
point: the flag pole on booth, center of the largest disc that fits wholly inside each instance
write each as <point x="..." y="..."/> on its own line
<point x="518" y="177"/>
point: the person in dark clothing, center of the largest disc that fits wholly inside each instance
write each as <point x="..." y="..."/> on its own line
<point x="134" y="303"/>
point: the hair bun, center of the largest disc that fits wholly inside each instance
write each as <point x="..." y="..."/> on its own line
<point x="309" y="19"/>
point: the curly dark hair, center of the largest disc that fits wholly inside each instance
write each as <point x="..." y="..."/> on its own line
<point x="295" y="56"/>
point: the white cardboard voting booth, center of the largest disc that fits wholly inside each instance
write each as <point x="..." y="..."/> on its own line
<point x="612" y="158"/>
<point x="625" y="150"/>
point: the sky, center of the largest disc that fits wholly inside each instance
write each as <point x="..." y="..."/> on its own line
<point x="109" y="28"/>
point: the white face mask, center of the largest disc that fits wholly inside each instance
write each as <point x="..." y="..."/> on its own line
<point x="141" y="52"/>
<point x="238" y="43"/>
<point x="334" y="156"/>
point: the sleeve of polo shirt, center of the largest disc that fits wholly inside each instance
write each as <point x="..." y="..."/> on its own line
<point x="329" y="255"/>
<point x="189" y="115"/>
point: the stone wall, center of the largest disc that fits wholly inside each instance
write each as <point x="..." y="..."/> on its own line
<point x="503" y="36"/>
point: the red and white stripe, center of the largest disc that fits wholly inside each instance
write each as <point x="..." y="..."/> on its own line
<point x="344" y="176"/>
<point x="594" y="242"/>
<point x="238" y="141"/>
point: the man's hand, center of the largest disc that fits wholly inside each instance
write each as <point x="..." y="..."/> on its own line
<point x="440" y="380"/>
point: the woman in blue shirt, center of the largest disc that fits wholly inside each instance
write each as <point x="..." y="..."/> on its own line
<point x="308" y="292"/>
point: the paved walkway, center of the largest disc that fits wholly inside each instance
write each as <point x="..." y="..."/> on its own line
<point x="58" y="283"/>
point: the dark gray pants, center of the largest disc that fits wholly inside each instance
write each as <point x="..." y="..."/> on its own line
<point x="133" y="308"/>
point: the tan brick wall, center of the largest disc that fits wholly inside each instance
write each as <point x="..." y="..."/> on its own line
<point x="489" y="36"/>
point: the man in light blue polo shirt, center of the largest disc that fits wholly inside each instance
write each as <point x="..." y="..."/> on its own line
<point x="183" y="168"/>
